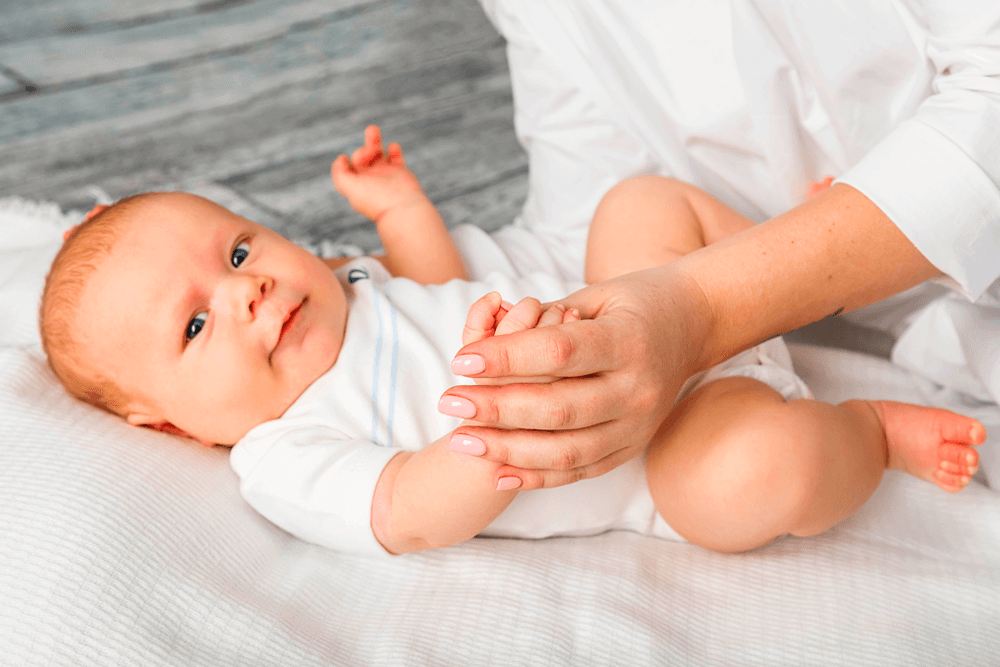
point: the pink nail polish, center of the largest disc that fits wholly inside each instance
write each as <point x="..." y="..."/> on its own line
<point x="467" y="444"/>
<point x="508" y="483"/>
<point x="468" y="364"/>
<point x="456" y="406"/>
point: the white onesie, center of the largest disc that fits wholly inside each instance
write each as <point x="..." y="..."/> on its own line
<point x="313" y="471"/>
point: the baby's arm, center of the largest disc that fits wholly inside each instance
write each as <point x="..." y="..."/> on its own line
<point x="651" y="220"/>
<point x="379" y="186"/>
<point x="434" y="498"/>
<point x="438" y="496"/>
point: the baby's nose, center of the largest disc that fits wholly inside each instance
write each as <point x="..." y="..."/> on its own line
<point x="245" y="294"/>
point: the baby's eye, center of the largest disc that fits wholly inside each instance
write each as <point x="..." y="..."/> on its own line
<point x="240" y="253"/>
<point x="195" y="325"/>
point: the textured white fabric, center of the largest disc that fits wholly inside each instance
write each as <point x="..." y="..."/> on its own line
<point x="122" y="546"/>
<point x="753" y="99"/>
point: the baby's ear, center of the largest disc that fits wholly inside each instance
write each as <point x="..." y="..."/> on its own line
<point x="139" y="419"/>
<point x="94" y="211"/>
<point x="90" y="214"/>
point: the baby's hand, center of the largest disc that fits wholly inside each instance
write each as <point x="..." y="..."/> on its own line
<point x="492" y="316"/>
<point x="375" y="181"/>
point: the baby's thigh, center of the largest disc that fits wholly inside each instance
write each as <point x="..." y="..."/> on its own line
<point x="729" y="469"/>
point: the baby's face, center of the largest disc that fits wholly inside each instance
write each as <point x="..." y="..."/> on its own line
<point x="218" y="323"/>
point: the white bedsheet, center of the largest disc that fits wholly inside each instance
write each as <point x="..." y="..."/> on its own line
<point x="121" y="546"/>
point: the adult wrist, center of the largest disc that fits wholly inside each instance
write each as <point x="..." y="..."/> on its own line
<point x="700" y="318"/>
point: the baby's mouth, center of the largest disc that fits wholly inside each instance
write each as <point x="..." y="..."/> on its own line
<point x="289" y="321"/>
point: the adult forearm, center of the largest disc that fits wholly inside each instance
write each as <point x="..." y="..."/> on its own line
<point x="833" y="254"/>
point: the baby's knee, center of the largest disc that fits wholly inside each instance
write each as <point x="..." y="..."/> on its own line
<point x="782" y="466"/>
<point x="623" y="197"/>
<point x="757" y="483"/>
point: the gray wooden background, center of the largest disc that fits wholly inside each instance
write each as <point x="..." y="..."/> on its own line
<point x="249" y="101"/>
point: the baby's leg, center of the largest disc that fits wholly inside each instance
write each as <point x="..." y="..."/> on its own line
<point x="650" y="220"/>
<point x="735" y="466"/>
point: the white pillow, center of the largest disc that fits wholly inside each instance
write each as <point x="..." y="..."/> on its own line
<point x="30" y="236"/>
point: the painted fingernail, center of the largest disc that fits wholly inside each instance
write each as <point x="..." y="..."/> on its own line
<point x="456" y="406"/>
<point x="468" y="364"/>
<point x="508" y="483"/>
<point x="467" y="444"/>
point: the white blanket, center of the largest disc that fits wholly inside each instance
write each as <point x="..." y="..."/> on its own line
<point x="121" y="546"/>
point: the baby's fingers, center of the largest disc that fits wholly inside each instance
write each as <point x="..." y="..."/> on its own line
<point x="554" y="314"/>
<point x="481" y="320"/>
<point x="371" y="151"/>
<point x="524" y="315"/>
<point x="341" y="171"/>
<point x="396" y="155"/>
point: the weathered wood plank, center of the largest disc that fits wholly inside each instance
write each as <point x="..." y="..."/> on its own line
<point x="9" y="85"/>
<point x="257" y="128"/>
<point x="25" y="20"/>
<point x="279" y="125"/>
<point x="58" y="60"/>
<point x="379" y="39"/>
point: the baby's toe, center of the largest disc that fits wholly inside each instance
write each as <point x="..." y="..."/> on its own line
<point x="950" y="482"/>
<point x="960" y="429"/>
<point x="958" y="459"/>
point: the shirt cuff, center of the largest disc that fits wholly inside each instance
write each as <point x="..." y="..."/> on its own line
<point x="944" y="202"/>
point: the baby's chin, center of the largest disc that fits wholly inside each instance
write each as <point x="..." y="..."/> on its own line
<point x="229" y="431"/>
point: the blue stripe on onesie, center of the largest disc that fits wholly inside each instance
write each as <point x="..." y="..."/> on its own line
<point x="395" y="365"/>
<point x="376" y="369"/>
<point x="378" y="358"/>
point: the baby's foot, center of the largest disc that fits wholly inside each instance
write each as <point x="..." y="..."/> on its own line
<point x="932" y="444"/>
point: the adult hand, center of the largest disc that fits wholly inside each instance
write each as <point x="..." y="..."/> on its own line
<point x="622" y="365"/>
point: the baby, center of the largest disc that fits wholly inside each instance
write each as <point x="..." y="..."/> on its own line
<point x="181" y="316"/>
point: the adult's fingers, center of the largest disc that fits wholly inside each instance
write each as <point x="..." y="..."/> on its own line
<point x="570" y="403"/>
<point x="568" y="350"/>
<point x="546" y="479"/>
<point x="544" y="459"/>
<point x="536" y="450"/>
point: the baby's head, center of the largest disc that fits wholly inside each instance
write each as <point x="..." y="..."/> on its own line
<point x="178" y="314"/>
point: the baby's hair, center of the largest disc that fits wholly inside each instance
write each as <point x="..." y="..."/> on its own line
<point x="81" y="254"/>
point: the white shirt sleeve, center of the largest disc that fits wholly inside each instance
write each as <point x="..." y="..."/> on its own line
<point x="312" y="483"/>
<point x="937" y="175"/>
